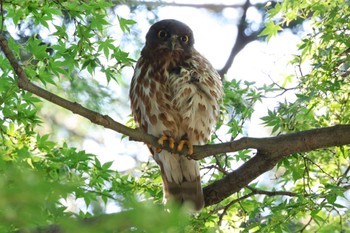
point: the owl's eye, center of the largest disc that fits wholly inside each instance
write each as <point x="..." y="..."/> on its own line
<point x="162" y="34"/>
<point x="184" y="38"/>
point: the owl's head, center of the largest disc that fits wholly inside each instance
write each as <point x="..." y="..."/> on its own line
<point x="169" y="36"/>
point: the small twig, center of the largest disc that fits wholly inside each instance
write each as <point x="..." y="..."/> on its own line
<point x="283" y="89"/>
<point x="306" y="225"/>
<point x="255" y="191"/>
<point x="225" y="209"/>
<point x="319" y="167"/>
<point x="340" y="219"/>
<point x="345" y="174"/>
<point x="306" y="176"/>
<point x="220" y="169"/>
<point x="273" y="193"/>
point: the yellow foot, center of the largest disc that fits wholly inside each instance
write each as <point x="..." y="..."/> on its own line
<point x="164" y="138"/>
<point x="189" y="145"/>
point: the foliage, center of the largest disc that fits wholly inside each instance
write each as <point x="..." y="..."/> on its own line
<point x="79" y="54"/>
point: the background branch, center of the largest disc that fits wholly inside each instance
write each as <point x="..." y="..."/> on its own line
<point x="241" y="39"/>
<point x="212" y="7"/>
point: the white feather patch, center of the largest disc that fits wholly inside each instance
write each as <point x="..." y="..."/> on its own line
<point x="177" y="168"/>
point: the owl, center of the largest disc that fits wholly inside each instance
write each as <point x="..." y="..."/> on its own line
<point x="175" y="96"/>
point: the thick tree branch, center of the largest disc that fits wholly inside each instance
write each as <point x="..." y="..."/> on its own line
<point x="269" y="150"/>
<point x="283" y="145"/>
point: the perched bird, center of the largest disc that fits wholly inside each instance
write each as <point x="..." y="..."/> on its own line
<point x="175" y="95"/>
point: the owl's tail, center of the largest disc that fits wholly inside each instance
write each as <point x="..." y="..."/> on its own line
<point x="181" y="180"/>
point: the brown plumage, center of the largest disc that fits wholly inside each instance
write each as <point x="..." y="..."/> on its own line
<point x="175" y="92"/>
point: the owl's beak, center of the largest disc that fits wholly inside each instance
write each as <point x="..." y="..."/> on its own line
<point x="172" y="42"/>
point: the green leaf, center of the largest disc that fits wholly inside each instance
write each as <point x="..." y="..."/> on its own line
<point x="107" y="165"/>
<point x="271" y="29"/>
<point x="43" y="142"/>
<point x="37" y="48"/>
<point x="125" y="24"/>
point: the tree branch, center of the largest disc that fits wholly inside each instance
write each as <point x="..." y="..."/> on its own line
<point x="272" y="193"/>
<point x="269" y="150"/>
<point x="225" y="209"/>
<point x="95" y="117"/>
<point x="212" y="7"/>
<point x="241" y="40"/>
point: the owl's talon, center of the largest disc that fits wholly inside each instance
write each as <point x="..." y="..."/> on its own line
<point x="181" y="145"/>
<point x="171" y="143"/>
<point x="189" y="145"/>
<point x="164" y="138"/>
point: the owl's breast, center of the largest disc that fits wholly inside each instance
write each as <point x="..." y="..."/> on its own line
<point x="195" y="97"/>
